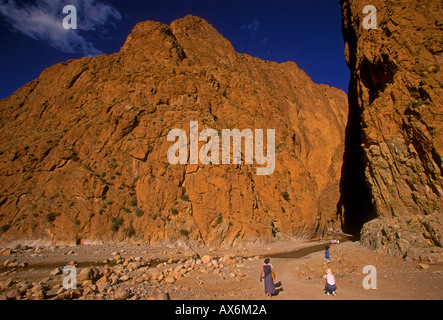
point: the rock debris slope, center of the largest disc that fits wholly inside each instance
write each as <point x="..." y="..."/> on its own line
<point x="83" y="148"/>
<point x="396" y="101"/>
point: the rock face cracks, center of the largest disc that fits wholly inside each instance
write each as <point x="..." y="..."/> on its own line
<point x="396" y="101"/>
<point x="84" y="147"/>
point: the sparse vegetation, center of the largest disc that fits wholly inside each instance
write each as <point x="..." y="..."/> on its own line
<point x="125" y="209"/>
<point x="174" y="211"/>
<point x="113" y="164"/>
<point x="139" y="212"/>
<point x="415" y="104"/>
<point x="116" y="223"/>
<point x="219" y="219"/>
<point x="184" y="232"/>
<point x="285" y="195"/>
<point x="185" y="197"/>
<point x="130" y="231"/>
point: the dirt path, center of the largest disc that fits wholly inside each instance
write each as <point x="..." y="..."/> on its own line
<point x="301" y="279"/>
<point x="299" y="268"/>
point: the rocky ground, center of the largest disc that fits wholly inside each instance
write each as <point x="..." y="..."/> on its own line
<point x="135" y="272"/>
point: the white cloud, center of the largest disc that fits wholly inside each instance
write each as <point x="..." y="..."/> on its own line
<point x="43" y="21"/>
<point x="252" y="27"/>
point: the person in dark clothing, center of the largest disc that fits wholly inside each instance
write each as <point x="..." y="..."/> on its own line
<point x="267" y="273"/>
<point x="327" y="251"/>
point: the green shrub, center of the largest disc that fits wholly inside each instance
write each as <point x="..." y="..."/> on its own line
<point x="285" y="195"/>
<point x="117" y="222"/>
<point x="113" y="164"/>
<point x="130" y="231"/>
<point x="139" y="212"/>
<point x="174" y="211"/>
<point x="125" y="209"/>
<point x="219" y="219"/>
<point x="185" y="197"/>
<point x="184" y="232"/>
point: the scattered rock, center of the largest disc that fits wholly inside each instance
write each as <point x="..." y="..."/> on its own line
<point x="13" y="294"/>
<point x="424" y="266"/>
<point x="206" y="259"/>
<point x="122" y="294"/>
<point x="169" y="280"/>
<point x="68" y="295"/>
<point x="89" y="273"/>
<point x="56" y="271"/>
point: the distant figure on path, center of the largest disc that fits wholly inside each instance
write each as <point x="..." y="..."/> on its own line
<point x="327" y="252"/>
<point x="330" y="286"/>
<point x="269" y="276"/>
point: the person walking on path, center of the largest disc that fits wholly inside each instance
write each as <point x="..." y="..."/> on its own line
<point x="268" y="274"/>
<point x="327" y="252"/>
<point x="330" y="286"/>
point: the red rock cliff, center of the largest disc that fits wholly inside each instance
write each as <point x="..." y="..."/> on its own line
<point x="84" y="147"/>
<point x="396" y="100"/>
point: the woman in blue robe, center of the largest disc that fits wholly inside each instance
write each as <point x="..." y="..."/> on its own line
<point x="267" y="273"/>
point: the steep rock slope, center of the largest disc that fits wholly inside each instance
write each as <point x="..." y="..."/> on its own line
<point x="396" y="101"/>
<point x="84" y="147"/>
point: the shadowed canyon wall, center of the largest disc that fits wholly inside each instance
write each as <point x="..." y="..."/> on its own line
<point x="395" y="98"/>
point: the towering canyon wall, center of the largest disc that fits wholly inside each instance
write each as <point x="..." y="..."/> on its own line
<point x="396" y="110"/>
<point x="83" y="148"/>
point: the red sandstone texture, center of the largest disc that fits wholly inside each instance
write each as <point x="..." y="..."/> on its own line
<point x="396" y="94"/>
<point x="83" y="148"/>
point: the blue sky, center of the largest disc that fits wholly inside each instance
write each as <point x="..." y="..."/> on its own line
<point x="306" y="32"/>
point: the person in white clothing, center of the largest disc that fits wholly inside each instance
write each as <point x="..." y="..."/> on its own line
<point x="330" y="287"/>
